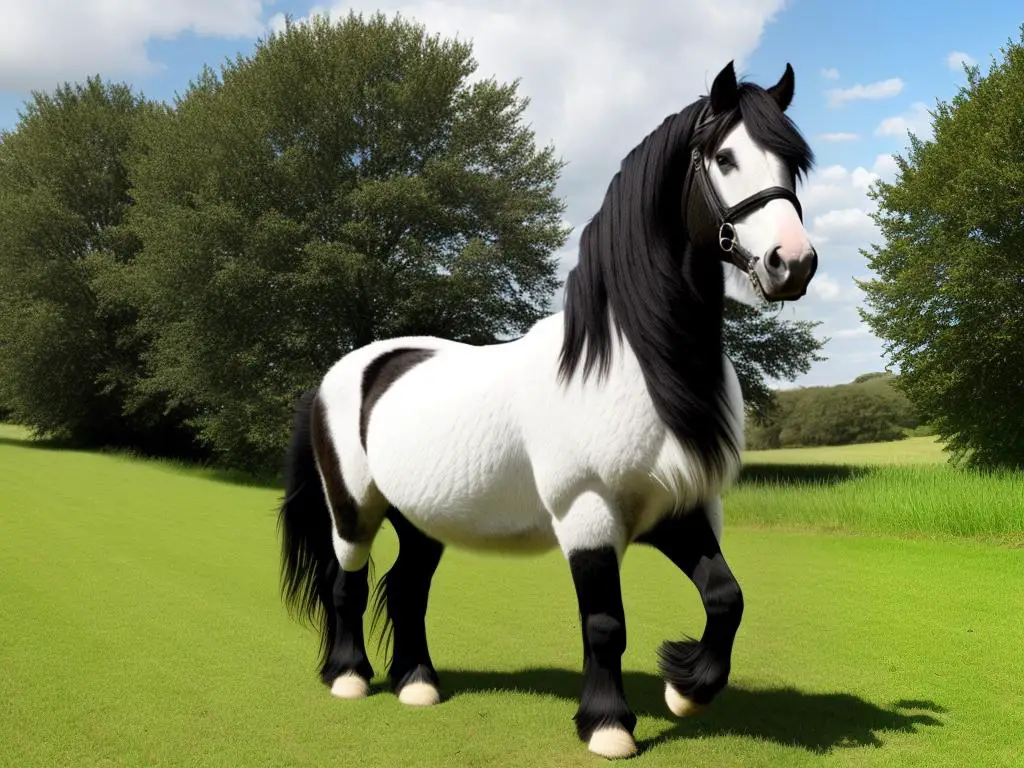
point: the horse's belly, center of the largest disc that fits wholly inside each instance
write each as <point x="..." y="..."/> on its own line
<point x="451" y="460"/>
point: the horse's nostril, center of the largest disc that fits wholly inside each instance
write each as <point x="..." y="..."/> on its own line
<point x="774" y="261"/>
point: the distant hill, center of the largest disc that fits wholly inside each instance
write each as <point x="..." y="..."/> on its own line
<point x="869" y="409"/>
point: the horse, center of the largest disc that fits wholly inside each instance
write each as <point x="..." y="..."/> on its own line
<point x="615" y="421"/>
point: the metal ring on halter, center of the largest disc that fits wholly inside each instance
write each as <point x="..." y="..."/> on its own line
<point x="724" y="239"/>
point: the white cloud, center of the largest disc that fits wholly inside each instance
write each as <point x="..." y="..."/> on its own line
<point x="49" y="41"/>
<point x="957" y="59"/>
<point x="276" y="23"/>
<point x="833" y="172"/>
<point x="885" y="166"/>
<point x="852" y="333"/>
<point x="883" y="89"/>
<point x="836" y="188"/>
<point x="830" y="73"/>
<point x="842" y="223"/>
<point x="837" y="214"/>
<point x="915" y="120"/>
<point x="840" y="136"/>
<point x="600" y="75"/>
<point x="837" y="209"/>
<point x="824" y="286"/>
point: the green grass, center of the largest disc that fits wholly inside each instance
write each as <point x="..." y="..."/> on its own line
<point x="899" y="488"/>
<point x="141" y="626"/>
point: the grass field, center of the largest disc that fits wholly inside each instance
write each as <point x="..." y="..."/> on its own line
<point x="141" y="627"/>
<point x="914" y="451"/>
<point x="901" y="488"/>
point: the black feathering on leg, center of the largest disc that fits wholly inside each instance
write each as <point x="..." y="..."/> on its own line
<point x="693" y="669"/>
<point x="699" y="669"/>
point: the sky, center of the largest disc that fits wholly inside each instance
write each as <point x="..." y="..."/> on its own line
<point x="600" y="75"/>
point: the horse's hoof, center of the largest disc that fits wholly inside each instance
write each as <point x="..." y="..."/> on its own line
<point x="419" y="695"/>
<point x="350" y="686"/>
<point x="613" y="742"/>
<point x="679" y="704"/>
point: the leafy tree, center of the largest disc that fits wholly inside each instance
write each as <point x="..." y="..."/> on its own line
<point x="68" y="352"/>
<point x="763" y="347"/>
<point x="344" y="183"/>
<point x="949" y="296"/>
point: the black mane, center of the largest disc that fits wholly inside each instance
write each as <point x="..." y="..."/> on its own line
<point x="639" y="271"/>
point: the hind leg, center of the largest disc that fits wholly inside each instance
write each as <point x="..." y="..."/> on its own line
<point x="406" y="590"/>
<point x="347" y="668"/>
<point x="695" y="671"/>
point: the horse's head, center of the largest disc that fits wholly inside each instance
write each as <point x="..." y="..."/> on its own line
<point x="741" y="203"/>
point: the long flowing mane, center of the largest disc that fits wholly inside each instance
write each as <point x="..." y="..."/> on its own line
<point x="639" y="272"/>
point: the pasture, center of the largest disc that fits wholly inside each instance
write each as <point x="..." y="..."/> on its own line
<point x="141" y="626"/>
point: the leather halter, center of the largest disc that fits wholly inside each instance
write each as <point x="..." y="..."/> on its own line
<point x="726" y="217"/>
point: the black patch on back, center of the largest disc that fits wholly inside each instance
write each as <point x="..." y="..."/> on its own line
<point x="380" y="374"/>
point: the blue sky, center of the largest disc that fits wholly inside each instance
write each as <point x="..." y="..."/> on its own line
<point x="600" y="76"/>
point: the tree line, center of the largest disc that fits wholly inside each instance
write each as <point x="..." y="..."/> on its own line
<point x="173" y="275"/>
<point x="870" y="409"/>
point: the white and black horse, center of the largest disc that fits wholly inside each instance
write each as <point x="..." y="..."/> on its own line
<point x="618" y="420"/>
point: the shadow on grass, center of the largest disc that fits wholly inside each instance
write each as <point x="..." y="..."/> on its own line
<point x="38" y="444"/>
<point x="197" y="469"/>
<point x="816" y="722"/>
<point x="800" y="474"/>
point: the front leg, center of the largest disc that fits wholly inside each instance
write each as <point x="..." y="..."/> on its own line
<point x="695" y="671"/>
<point x="590" y="536"/>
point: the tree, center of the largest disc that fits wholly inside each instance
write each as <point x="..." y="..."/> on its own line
<point x="69" y="356"/>
<point x="949" y="296"/>
<point x="344" y="183"/>
<point x="763" y="347"/>
<point x="871" y="409"/>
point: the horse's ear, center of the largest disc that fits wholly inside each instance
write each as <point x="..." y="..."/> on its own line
<point x="725" y="94"/>
<point x="782" y="91"/>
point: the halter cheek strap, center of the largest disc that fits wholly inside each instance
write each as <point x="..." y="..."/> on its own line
<point x="726" y="217"/>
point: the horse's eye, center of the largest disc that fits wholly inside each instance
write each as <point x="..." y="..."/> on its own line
<point x="724" y="161"/>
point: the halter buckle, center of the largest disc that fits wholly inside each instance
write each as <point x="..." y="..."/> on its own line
<point x="726" y="237"/>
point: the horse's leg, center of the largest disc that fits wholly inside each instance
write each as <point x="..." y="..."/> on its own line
<point x="695" y="671"/>
<point x="590" y="536"/>
<point x="347" y="668"/>
<point x="406" y="589"/>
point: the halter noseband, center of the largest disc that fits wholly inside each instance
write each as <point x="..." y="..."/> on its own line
<point x="726" y="217"/>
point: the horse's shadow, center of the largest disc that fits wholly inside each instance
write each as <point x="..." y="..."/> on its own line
<point x="816" y="722"/>
<point x="800" y="474"/>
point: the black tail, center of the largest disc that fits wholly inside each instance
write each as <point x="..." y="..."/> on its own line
<point x="308" y="563"/>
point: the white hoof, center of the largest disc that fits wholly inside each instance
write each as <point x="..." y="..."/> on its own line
<point x="350" y="686"/>
<point x="419" y="695"/>
<point x="679" y="704"/>
<point x="613" y="742"/>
